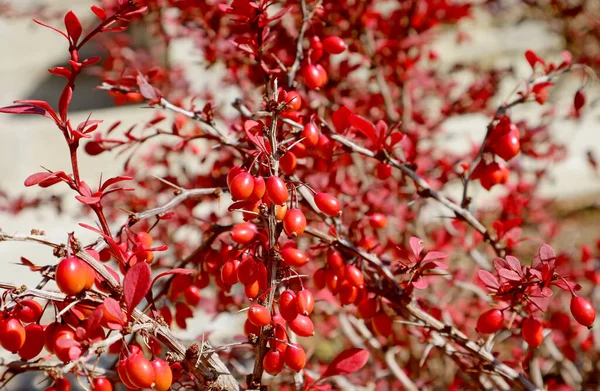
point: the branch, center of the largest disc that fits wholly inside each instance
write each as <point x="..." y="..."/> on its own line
<point x="299" y="41"/>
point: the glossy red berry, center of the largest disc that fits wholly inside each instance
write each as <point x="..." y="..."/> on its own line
<point x="490" y="321"/>
<point x="276" y="190"/>
<point x="122" y="371"/>
<point x="295" y="357"/>
<point x="382" y="324"/>
<point x="288" y="163"/>
<point x="302" y="326"/>
<point x="354" y="276"/>
<point x="273" y="362"/>
<point x="378" y="220"/>
<point x="328" y="204"/>
<point x="101" y="384"/>
<point x="583" y="311"/>
<point x="259" y="315"/>
<point x="310" y="133"/>
<point x="71" y="276"/>
<point x="163" y="376"/>
<point x="241" y="186"/>
<point x="294" y="222"/>
<point x="367" y="308"/>
<point x="229" y="272"/>
<point x="287" y="305"/>
<point x="508" y="145"/>
<point x="348" y="293"/>
<point x="34" y="342"/>
<point x="319" y="279"/>
<point x="144" y="238"/>
<point x="313" y="77"/>
<point x="233" y="172"/>
<point x="258" y="190"/>
<point x="140" y="371"/>
<point x="28" y="311"/>
<point x="12" y="334"/>
<point x="61" y="384"/>
<point x="532" y="332"/>
<point x="191" y="295"/>
<point x="305" y="302"/>
<point x="294" y="257"/>
<point x="243" y="233"/>
<point x="292" y="99"/>
<point x="247" y="271"/>
<point x="334" y="45"/>
<point x="383" y="171"/>
<point x="316" y="49"/>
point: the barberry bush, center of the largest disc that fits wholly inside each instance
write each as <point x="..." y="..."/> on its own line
<point x="328" y="164"/>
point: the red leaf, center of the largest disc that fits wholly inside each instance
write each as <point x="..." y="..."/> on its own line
<point x="32" y="266"/>
<point x="509" y="275"/>
<point x="114" y="309"/>
<point x="174" y="271"/>
<point x="513" y="263"/>
<point x="416" y="245"/>
<point x="49" y="111"/>
<point x="433" y="255"/>
<point x="88" y="200"/>
<point x="35" y="179"/>
<point x="364" y="126"/>
<point x="51" y="28"/>
<point x="93" y="322"/>
<point x="341" y="118"/>
<point x="533" y="58"/>
<point x="421" y="283"/>
<point x="23" y="109"/>
<point x="136" y="284"/>
<point x="488" y="279"/>
<point x="61" y="71"/>
<point x="112" y="181"/>
<point x="73" y="26"/>
<point x="63" y="103"/>
<point x="348" y="361"/>
<point x="100" y="13"/>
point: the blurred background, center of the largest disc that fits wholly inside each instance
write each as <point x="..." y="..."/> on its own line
<point x="495" y="37"/>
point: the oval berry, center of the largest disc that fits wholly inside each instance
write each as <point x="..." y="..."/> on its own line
<point x="302" y="326"/>
<point x="28" y="311"/>
<point x="334" y="45"/>
<point x="378" y="220"/>
<point x="233" y="172"/>
<point x="12" y="334"/>
<point x="305" y="302"/>
<point x="294" y="357"/>
<point x="532" y="332"/>
<point x="277" y="190"/>
<point x="258" y="190"/>
<point x="383" y="171"/>
<point x="490" y="321"/>
<point x="191" y="295"/>
<point x="293" y="100"/>
<point x="163" y="376"/>
<point x="247" y="271"/>
<point x="382" y="324"/>
<point x="243" y="233"/>
<point x="328" y="204"/>
<point x="34" y="342"/>
<point x="71" y="276"/>
<point x="259" y="315"/>
<point x="294" y="222"/>
<point x="287" y="305"/>
<point x="354" y="276"/>
<point x="122" y="371"/>
<point x="319" y="279"/>
<point x="101" y="384"/>
<point x="310" y="133"/>
<point x="367" y="308"/>
<point x="508" y="146"/>
<point x="241" y="186"/>
<point x="229" y="272"/>
<point x="294" y="257"/>
<point x="288" y="163"/>
<point x="312" y="76"/>
<point x="583" y="311"/>
<point x="273" y="362"/>
<point x="140" y="371"/>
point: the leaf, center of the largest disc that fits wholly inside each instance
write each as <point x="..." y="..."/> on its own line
<point x="93" y="321"/>
<point x="136" y="284"/>
<point x="112" y="181"/>
<point x="341" y="118"/>
<point x="509" y="275"/>
<point x="99" y="12"/>
<point x="416" y="245"/>
<point x="533" y="58"/>
<point x="181" y="271"/>
<point x="348" y="361"/>
<point x="49" y="111"/>
<point x="434" y="255"/>
<point x="488" y="279"/>
<point x="421" y="283"/>
<point x="364" y="126"/>
<point x="63" y="103"/>
<point x="73" y="26"/>
<point x="35" y="179"/>
<point x="51" y="28"/>
<point x="513" y="263"/>
<point x="88" y="200"/>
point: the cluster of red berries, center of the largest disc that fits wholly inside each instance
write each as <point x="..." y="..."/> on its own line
<point x="532" y="330"/>
<point x="504" y="142"/>
<point x="137" y="372"/>
<point x="313" y="73"/>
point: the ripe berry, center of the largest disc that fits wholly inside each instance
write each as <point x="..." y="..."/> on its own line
<point x="508" y="145"/>
<point x="348" y="293"/>
<point x="191" y="295"/>
<point x="140" y="371"/>
<point x="382" y="324"/>
<point x="354" y="276"/>
<point x="328" y="204"/>
<point x="295" y="357"/>
<point x="334" y="45"/>
<point x="163" y="375"/>
<point x="287" y="305"/>
<point x="292" y="99"/>
<point x="323" y="77"/>
<point x="313" y="77"/>
<point x="243" y="233"/>
<point x="247" y="271"/>
<point x="319" y="279"/>
<point x="302" y="326"/>
<point x="288" y="163"/>
<point x="28" y="311"/>
<point x="490" y="321"/>
<point x="259" y="315"/>
<point x="144" y="238"/>
<point x="334" y="259"/>
<point x="378" y="220"/>
<point x="532" y="332"/>
<point x="233" y="172"/>
<point x="310" y="133"/>
<point x="252" y="290"/>
<point x="101" y="384"/>
<point x="259" y="189"/>
<point x="294" y="222"/>
<point x="66" y="347"/>
<point x="273" y="362"/>
<point x="229" y="272"/>
<point x="122" y="371"/>
<point x="61" y="384"/>
<point x="333" y="281"/>
<point x="277" y="190"/>
<point x="383" y="171"/>
<point x="294" y="257"/>
<point x="305" y="302"/>
<point x="280" y="338"/>
<point x="583" y="311"/>
<point x="34" y="342"/>
<point x="12" y="334"/>
<point x="491" y="174"/>
<point x="241" y="186"/>
<point x="366" y="308"/>
<point x="316" y="49"/>
<point x="71" y="276"/>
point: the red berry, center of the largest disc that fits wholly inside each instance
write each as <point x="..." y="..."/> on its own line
<point x="259" y="189"/>
<point x="34" y="342"/>
<point x="316" y="47"/>
<point x="583" y="311"/>
<point x="333" y="281"/>
<point x="12" y="334"/>
<point x="294" y="257"/>
<point x="367" y="308"/>
<point x="247" y="271"/>
<point x="66" y="347"/>
<point x="28" y="311"/>
<point x="259" y="315"/>
<point x="323" y="77"/>
<point x="293" y="100"/>
<point x="276" y="190"/>
<point x="310" y="133"/>
<point x="287" y="305"/>
<point x="163" y="375"/>
<point x="348" y="293"/>
<point x="319" y="279"/>
<point x="71" y="276"/>
<point x="61" y="384"/>
<point x="191" y="294"/>
<point x="144" y="238"/>
<point x="532" y="332"/>
<point x="508" y="145"/>
<point x="273" y="362"/>
<point x="241" y="186"/>
<point x="354" y="276"/>
<point x="280" y="339"/>
<point x="294" y="222"/>
<point x="312" y="76"/>
<point x="252" y="290"/>
<point x="490" y="321"/>
<point x="378" y="220"/>
<point x="491" y="174"/>
<point x="243" y="233"/>
<point x="328" y="204"/>
<point x="305" y="302"/>
<point x="288" y="163"/>
<point x="101" y="384"/>
<point x="295" y="357"/>
<point x="250" y="328"/>
<point x="302" y="326"/>
<point x="382" y="324"/>
<point x="233" y="172"/>
<point x="334" y="45"/>
<point x="140" y="371"/>
<point x="122" y="371"/>
<point x="229" y="272"/>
